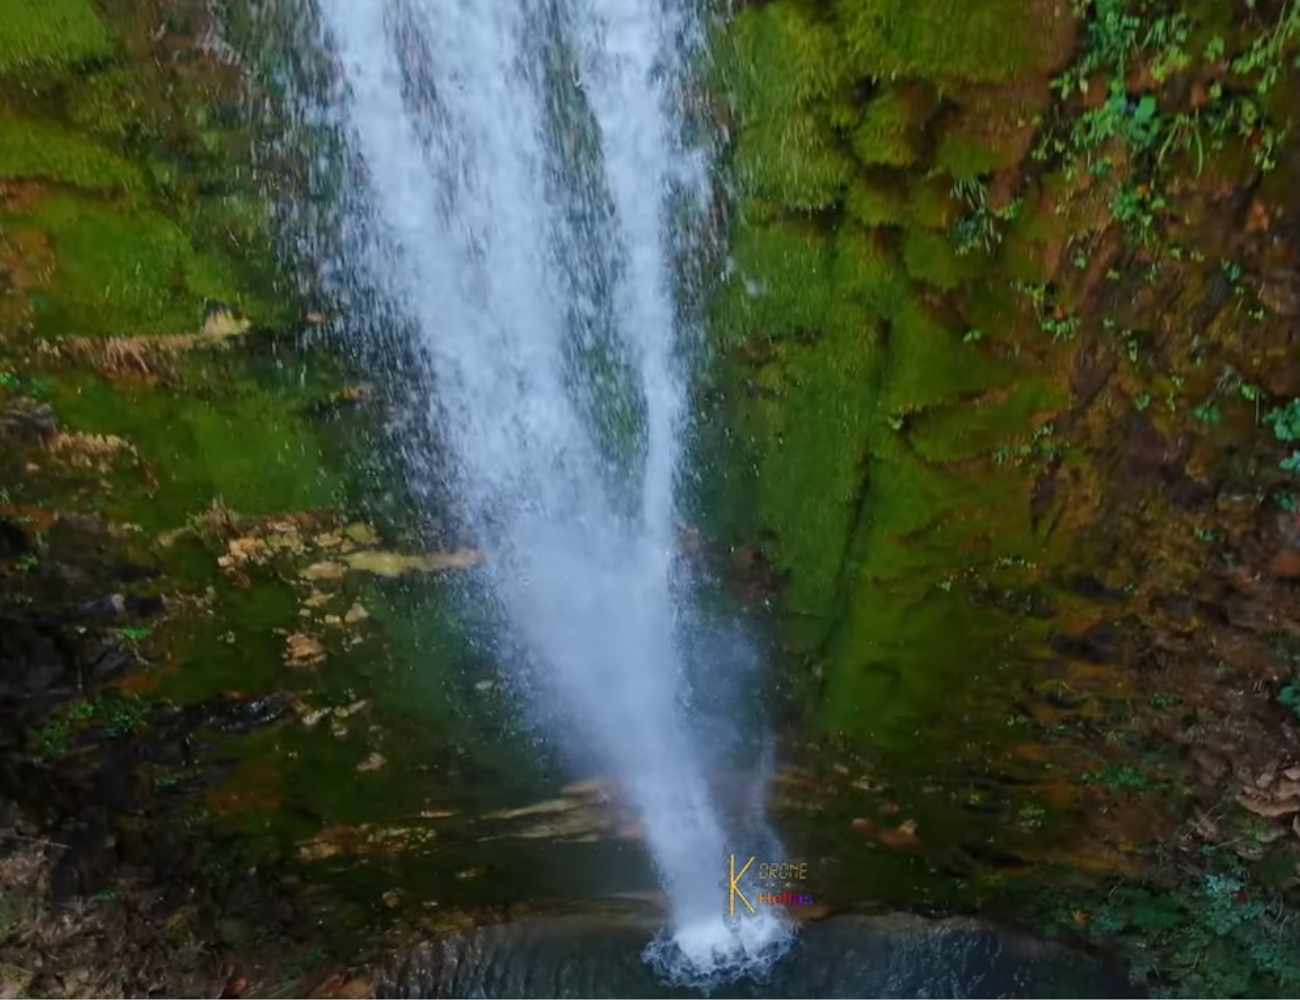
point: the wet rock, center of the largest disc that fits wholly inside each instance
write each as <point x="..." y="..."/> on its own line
<point x="1086" y="585"/>
<point x="34" y="658"/>
<point x="239" y="716"/>
<point x="338" y="988"/>
<point x="144" y="607"/>
<point x="1093" y="368"/>
<point x="110" y="664"/>
<point x="1097" y="645"/>
<point x="1279" y="291"/>
<point x="130" y="571"/>
<point x="903" y="835"/>
<point x="27" y="424"/>
<point x="1146" y="450"/>
<point x="13" y="541"/>
<point x="107" y="608"/>
<point x="1178" y="608"/>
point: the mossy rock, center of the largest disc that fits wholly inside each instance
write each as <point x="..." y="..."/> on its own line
<point x="110" y="104"/>
<point x="236" y="439"/>
<point x="932" y="258"/>
<point x="930" y="203"/>
<point x="966" y="431"/>
<point x="40" y="37"/>
<point x="37" y="150"/>
<point x="1035" y="241"/>
<point x="782" y="284"/>
<point x="930" y="366"/>
<point x="891" y="132"/>
<point x="987" y="129"/>
<point x="876" y="198"/>
<point x="812" y="455"/>
<point x="967" y="155"/>
<point x="778" y="57"/>
<point x="795" y="162"/>
<point x="956" y="40"/>
<point x="866" y="267"/>
<point x="122" y="270"/>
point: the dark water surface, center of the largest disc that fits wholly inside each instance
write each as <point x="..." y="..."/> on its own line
<point x="849" y="956"/>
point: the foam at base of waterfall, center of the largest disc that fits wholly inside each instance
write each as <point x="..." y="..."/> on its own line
<point x="707" y="953"/>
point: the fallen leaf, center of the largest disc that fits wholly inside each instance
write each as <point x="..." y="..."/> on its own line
<point x="391" y="564"/>
<point x="302" y="648"/>
<point x="318" y="850"/>
<point x="324" y="571"/>
<point x="362" y="534"/>
<point x="222" y="323"/>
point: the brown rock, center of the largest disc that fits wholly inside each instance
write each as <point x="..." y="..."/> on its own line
<point x="1285" y="565"/>
<point x="1269" y="807"/>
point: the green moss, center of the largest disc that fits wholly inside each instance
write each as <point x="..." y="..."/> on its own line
<point x="817" y="434"/>
<point x="876" y="198"/>
<point x="906" y="496"/>
<point x="110" y="104"/>
<point x="962" y="432"/>
<point x="44" y="151"/>
<point x="930" y="204"/>
<point x="983" y="42"/>
<point x="899" y="661"/>
<point x="865" y="267"/>
<point x="890" y="131"/>
<point x="931" y="257"/>
<point x="241" y="442"/>
<point x="929" y="365"/>
<point x="56" y="35"/>
<point x="782" y="283"/>
<point x="123" y="271"/>
<point x="238" y="649"/>
<point x="969" y="155"/>
<point x="796" y="163"/>
<point x="1032" y="241"/>
<point x="776" y="58"/>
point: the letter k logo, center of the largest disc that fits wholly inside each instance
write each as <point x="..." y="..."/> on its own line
<point x="735" y="889"/>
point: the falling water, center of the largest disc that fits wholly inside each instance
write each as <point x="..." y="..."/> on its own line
<point x="523" y="168"/>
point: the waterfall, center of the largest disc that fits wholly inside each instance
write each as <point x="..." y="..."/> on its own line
<point x="521" y="168"/>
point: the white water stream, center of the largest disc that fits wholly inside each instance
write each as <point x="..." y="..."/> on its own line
<point x="521" y="160"/>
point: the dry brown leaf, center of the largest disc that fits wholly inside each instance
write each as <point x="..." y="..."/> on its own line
<point x="302" y="648"/>
<point x="324" y="571"/>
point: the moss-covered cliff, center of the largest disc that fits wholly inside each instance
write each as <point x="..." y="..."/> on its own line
<point x="1007" y="331"/>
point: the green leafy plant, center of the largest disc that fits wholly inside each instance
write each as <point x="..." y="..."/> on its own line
<point x="1289" y="697"/>
<point x="980" y="227"/>
<point x="1215" y="934"/>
